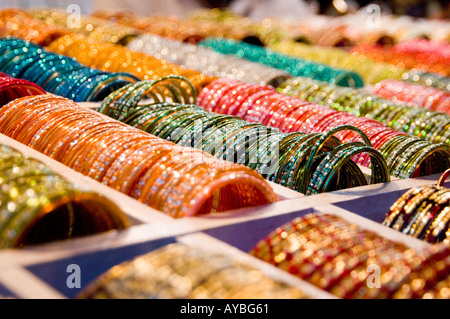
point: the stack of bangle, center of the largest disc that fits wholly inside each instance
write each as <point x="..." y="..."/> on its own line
<point x="294" y="66"/>
<point x="208" y="61"/>
<point x="12" y="88"/>
<point x="430" y="62"/>
<point x="186" y="30"/>
<point x="178" y="181"/>
<point x="427" y="79"/>
<point x="178" y="271"/>
<point x="416" y="46"/>
<point x="309" y="163"/>
<point x="423" y="212"/>
<point x="56" y="73"/>
<point x="428" y="125"/>
<point x="115" y="58"/>
<point x="168" y="27"/>
<point x="405" y="155"/>
<point x="18" y="23"/>
<point x="38" y="206"/>
<point x="414" y="94"/>
<point x="337" y="256"/>
<point x="95" y="28"/>
<point x="371" y="71"/>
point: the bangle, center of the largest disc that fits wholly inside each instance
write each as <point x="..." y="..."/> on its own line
<point x="94" y="146"/>
<point x="290" y="114"/>
<point x="422" y="212"/>
<point x="58" y="74"/>
<point x="17" y="23"/>
<point x="208" y="61"/>
<point x="294" y="66"/>
<point x="334" y="255"/>
<point x="200" y="275"/>
<point x="11" y="88"/>
<point x="264" y="149"/>
<point x="39" y="206"/>
<point x="115" y="58"/>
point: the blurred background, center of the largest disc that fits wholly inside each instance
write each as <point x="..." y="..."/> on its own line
<point x="434" y="9"/>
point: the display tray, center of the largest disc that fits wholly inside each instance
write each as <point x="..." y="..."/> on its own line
<point x="41" y="271"/>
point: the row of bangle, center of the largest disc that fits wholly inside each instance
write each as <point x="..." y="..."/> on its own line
<point x="207" y="61"/>
<point x="180" y="271"/>
<point x="17" y="23"/>
<point x="406" y="156"/>
<point x="338" y="257"/>
<point x="178" y="181"/>
<point x="428" y="125"/>
<point x="294" y="66"/>
<point x="427" y="79"/>
<point x="423" y="212"/>
<point x="309" y="163"/>
<point x="97" y="29"/>
<point x="426" y="62"/>
<point x="417" y="95"/>
<point x="38" y="206"/>
<point x="115" y="58"/>
<point x="372" y="72"/>
<point x="12" y="88"/>
<point x="348" y="29"/>
<point x="187" y="30"/>
<point x="58" y="74"/>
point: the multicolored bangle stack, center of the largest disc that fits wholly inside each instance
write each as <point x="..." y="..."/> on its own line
<point x="208" y="61"/>
<point x="406" y="155"/>
<point x="337" y="256"/>
<point x="97" y="29"/>
<point x="428" y="125"/>
<point x="58" y="74"/>
<point x="294" y="66"/>
<point x="432" y="62"/>
<point x="38" y="206"/>
<point x="178" y="271"/>
<point x="308" y="163"/>
<point x="115" y="58"/>
<point x="178" y="181"/>
<point x="414" y="94"/>
<point x="12" y="88"/>
<point x="18" y="23"/>
<point x="423" y="212"/>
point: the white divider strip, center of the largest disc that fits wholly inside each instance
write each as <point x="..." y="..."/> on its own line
<point x="27" y="286"/>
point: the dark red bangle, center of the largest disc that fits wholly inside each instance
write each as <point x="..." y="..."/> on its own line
<point x="12" y="88"/>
